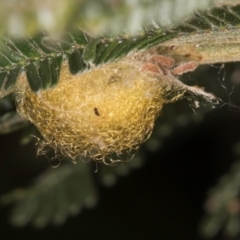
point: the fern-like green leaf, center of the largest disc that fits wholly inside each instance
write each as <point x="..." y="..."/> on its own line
<point x="41" y="57"/>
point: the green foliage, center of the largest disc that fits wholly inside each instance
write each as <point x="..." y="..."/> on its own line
<point x="41" y="56"/>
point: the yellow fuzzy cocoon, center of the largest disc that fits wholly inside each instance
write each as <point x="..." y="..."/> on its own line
<point x="104" y="114"/>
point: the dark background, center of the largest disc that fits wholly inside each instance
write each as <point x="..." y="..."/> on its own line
<point x="164" y="198"/>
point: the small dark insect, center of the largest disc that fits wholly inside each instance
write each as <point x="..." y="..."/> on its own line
<point x="96" y="112"/>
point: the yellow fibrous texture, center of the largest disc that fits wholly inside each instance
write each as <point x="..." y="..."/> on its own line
<point x="101" y="114"/>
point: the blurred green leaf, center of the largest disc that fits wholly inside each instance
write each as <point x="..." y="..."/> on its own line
<point x="26" y="17"/>
<point x="56" y="194"/>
